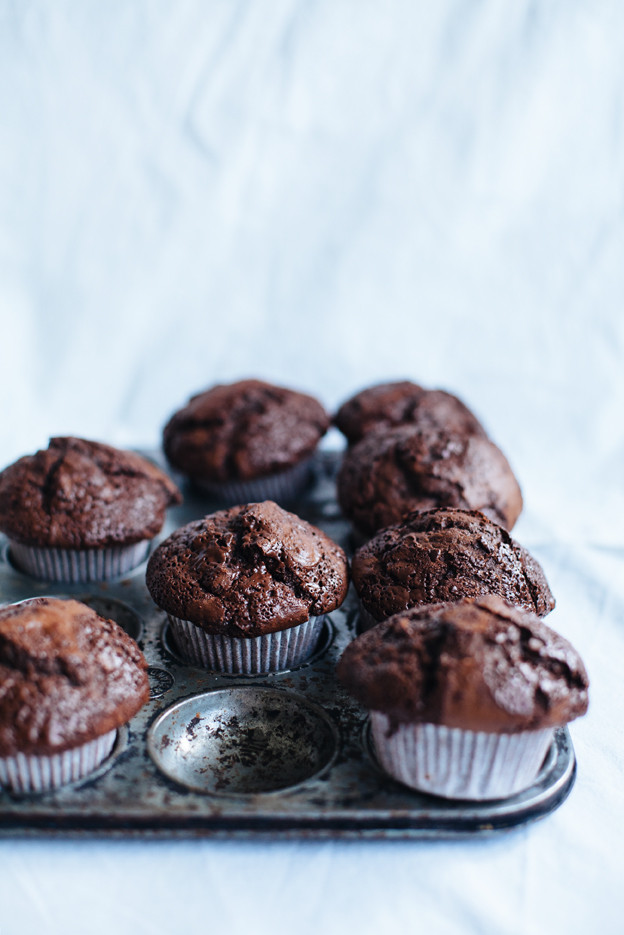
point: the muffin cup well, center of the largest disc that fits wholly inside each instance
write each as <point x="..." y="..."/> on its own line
<point x="77" y="565"/>
<point x="247" y="655"/>
<point x="282" y="488"/>
<point x="26" y="773"/>
<point x="459" y="764"/>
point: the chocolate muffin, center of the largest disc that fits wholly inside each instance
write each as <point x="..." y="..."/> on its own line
<point x="445" y="555"/>
<point x="388" y="405"/>
<point x="81" y="510"/>
<point x="68" y="680"/>
<point x="465" y="696"/>
<point x="392" y="472"/>
<point x="247" y="440"/>
<point x="246" y="588"/>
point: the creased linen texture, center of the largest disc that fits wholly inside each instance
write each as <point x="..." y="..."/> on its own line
<point x="327" y="194"/>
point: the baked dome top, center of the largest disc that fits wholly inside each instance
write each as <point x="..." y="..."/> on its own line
<point x="244" y="430"/>
<point x="445" y="555"/>
<point x="387" y="405"/>
<point x="246" y="571"/>
<point x="79" y="494"/>
<point x="394" y="471"/>
<point x="479" y="665"/>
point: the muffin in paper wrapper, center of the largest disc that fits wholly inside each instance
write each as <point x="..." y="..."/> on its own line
<point x="78" y="565"/>
<point x="272" y="652"/>
<point x="283" y="487"/>
<point x="459" y="764"/>
<point x="27" y="773"/>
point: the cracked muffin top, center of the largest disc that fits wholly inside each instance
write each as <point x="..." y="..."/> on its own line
<point x="390" y="404"/>
<point x="394" y="471"/>
<point x="242" y="431"/>
<point x="67" y="676"/>
<point x="78" y="494"/>
<point x="247" y="571"/>
<point x="479" y="665"/>
<point x="446" y="555"/>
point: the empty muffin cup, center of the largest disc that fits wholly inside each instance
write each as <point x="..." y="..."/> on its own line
<point x="244" y="740"/>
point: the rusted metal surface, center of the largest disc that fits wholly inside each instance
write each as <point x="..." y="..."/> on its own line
<point x="285" y="754"/>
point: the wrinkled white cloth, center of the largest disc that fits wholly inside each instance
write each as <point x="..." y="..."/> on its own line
<point x="326" y="195"/>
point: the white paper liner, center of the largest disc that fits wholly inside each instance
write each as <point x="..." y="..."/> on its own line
<point x="282" y="487"/>
<point x="25" y="773"/>
<point x="246" y="656"/>
<point x="75" y="565"/>
<point x="460" y="764"/>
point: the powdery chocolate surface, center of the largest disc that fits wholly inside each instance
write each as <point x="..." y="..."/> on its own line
<point x="479" y="665"/>
<point x="446" y="555"/>
<point x="67" y="676"/>
<point x="390" y="404"/>
<point x="247" y="571"/>
<point x="242" y="431"/>
<point x="79" y="494"/>
<point x="392" y="472"/>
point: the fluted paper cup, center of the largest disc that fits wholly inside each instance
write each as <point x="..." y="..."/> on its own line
<point x="27" y="773"/>
<point x="459" y="764"/>
<point x="78" y="565"/>
<point x="248" y="655"/>
<point x="282" y="487"/>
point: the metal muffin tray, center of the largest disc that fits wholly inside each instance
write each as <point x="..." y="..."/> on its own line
<point x="286" y="754"/>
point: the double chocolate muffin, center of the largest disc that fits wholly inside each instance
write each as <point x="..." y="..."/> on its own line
<point x="81" y="510"/>
<point x="388" y="405"/>
<point x="68" y="679"/>
<point x="246" y="588"/>
<point x="246" y="440"/>
<point x="445" y="555"/>
<point x="392" y="472"/>
<point x="465" y="696"/>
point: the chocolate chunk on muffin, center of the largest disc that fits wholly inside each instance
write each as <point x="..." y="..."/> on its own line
<point x="465" y="697"/>
<point x="68" y="679"/>
<point x="243" y="574"/>
<point x="82" y="510"/>
<point x="392" y="472"/>
<point x="246" y="440"/>
<point x="388" y="405"/>
<point x="445" y="555"/>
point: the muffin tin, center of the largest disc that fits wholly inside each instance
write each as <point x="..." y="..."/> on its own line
<point x="285" y="754"/>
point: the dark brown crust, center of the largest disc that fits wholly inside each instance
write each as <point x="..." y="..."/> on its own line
<point x="79" y="494"/>
<point x="446" y="555"/>
<point x="392" y="472"/>
<point x="248" y="571"/>
<point x="478" y="665"/>
<point x="67" y="676"/>
<point x="243" y="431"/>
<point x="387" y="405"/>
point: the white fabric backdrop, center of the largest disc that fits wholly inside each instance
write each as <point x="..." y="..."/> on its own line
<point x="328" y="194"/>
